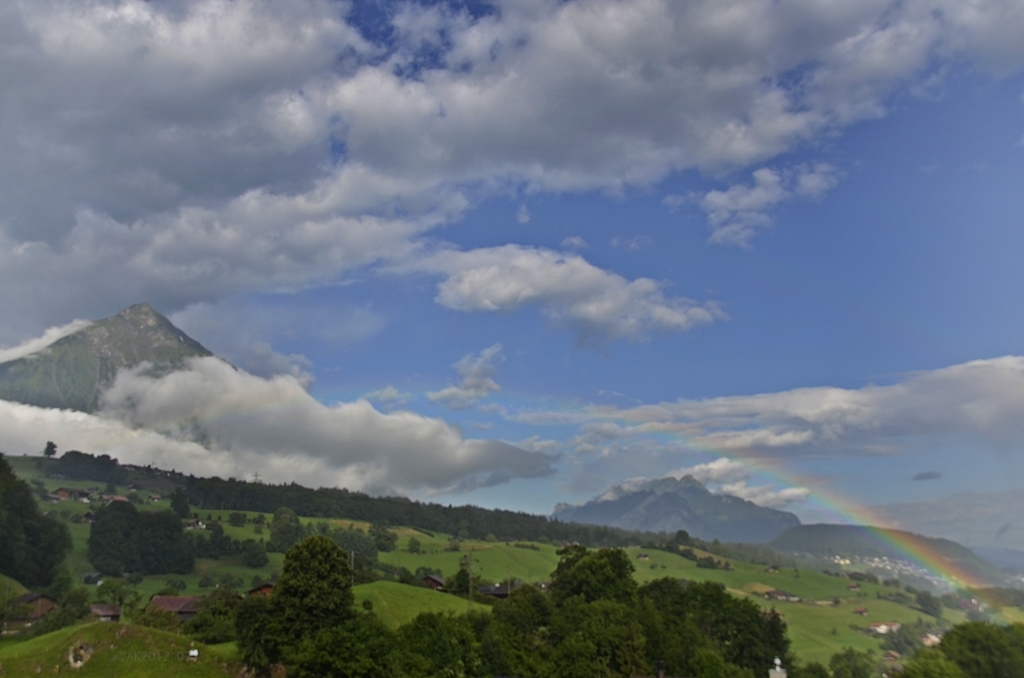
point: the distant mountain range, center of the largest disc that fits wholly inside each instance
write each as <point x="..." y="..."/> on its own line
<point x="669" y="505"/>
<point x="73" y="372"/>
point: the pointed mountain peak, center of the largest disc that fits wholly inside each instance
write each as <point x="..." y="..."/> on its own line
<point x="73" y="372"/>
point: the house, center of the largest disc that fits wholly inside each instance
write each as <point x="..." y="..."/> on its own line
<point x="496" y="591"/>
<point x="110" y="498"/>
<point x="779" y="594"/>
<point x="31" y="607"/>
<point x="862" y="611"/>
<point x="261" y="590"/>
<point x="930" y="639"/>
<point x="643" y="556"/>
<point x="154" y="498"/>
<point x="884" y="628"/>
<point x="432" y="581"/>
<point x="185" y="607"/>
<point x="853" y="587"/>
<point x="772" y="569"/>
<point x="195" y="524"/>
<point x="66" y="493"/>
<point x="106" y="612"/>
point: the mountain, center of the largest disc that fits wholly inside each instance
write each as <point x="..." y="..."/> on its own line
<point x="72" y="372"/>
<point x="669" y="505"/>
<point x="826" y="540"/>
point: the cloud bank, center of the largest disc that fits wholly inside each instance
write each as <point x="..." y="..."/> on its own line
<point x="212" y="419"/>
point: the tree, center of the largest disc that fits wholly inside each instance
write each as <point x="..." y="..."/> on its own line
<point x="851" y="664"/>
<point x="236" y="519"/>
<point x="383" y="538"/>
<point x="286" y="529"/>
<point x="315" y="588"/>
<point x="930" y="663"/>
<point x="414" y="545"/>
<point x="32" y="546"/>
<point x="360" y="648"/>
<point x="215" y="620"/>
<point x="984" y="650"/>
<point x="51" y="449"/>
<point x="929" y="604"/>
<point x="605" y="574"/>
<point x="118" y="592"/>
<point x="813" y="670"/>
<point x="112" y="546"/>
<point x="254" y="554"/>
<point x="179" y="503"/>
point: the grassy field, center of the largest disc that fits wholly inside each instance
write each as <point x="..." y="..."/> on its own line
<point x="395" y="604"/>
<point x="816" y="630"/>
<point x="119" y="650"/>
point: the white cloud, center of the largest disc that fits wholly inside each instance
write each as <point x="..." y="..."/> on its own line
<point x="721" y="470"/>
<point x="981" y="400"/>
<point x="765" y="495"/>
<point x="633" y="244"/>
<point x="574" y="242"/>
<point x="477" y="382"/>
<point x="523" y="215"/>
<point x="182" y="152"/>
<point x="740" y="211"/>
<point x="389" y="396"/>
<point x="212" y="416"/>
<point x="596" y="304"/>
<point x="38" y="344"/>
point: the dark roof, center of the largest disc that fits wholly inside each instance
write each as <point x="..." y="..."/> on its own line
<point x="435" y="578"/>
<point x="105" y="610"/>
<point x="254" y="589"/>
<point x="176" y="603"/>
<point x="26" y="598"/>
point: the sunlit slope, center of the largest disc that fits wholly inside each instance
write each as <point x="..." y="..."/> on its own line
<point x="397" y="604"/>
<point x="72" y="372"/>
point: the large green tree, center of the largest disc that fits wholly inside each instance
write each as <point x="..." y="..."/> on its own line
<point x="605" y="574"/>
<point x="984" y="650"/>
<point x="123" y="539"/>
<point x="32" y="546"/>
<point x="930" y="663"/>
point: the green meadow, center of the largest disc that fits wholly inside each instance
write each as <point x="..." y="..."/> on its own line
<point x="817" y="628"/>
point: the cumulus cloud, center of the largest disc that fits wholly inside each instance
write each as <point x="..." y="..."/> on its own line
<point x="574" y="242"/>
<point x="214" y="418"/>
<point x="765" y="495"/>
<point x="740" y="211"/>
<point x="191" y="150"/>
<point x="721" y="470"/>
<point x="597" y="305"/>
<point x="523" y="215"/>
<point x="38" y="344"/>
<point x="477" y="382"/>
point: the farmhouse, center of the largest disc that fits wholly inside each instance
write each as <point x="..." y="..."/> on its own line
<point x="106" y="612"/>
<point x="32" y="608"/>
<point x="433" y="581"/>
<point x="261" y="590"/>
<point x="185" y="607"/>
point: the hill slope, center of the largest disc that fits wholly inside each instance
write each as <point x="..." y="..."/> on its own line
<point x="856" y="541"/>
<point x="668" y="505"/>
<point x="72" y="372"/>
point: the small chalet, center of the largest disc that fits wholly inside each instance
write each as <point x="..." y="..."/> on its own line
<point x="106" y="612"/>
<point x="772" y="569"/>
<point x="195" y="524"/>
<point x="643" y="556"/>
<point x="32" y="608"/>
<point x="154" y="498"/>
<point x="862" y="611"/>
<point x="432" y="581"/>
<point x="66" y="493"/>
<point x="111" y="498"/>
<point x="497" y="591"/>
<point x="853" y="587"/>
<point x="931" y="639"/>
<point x="779" y="594"/>
<point x="884" y="628"/>
<point x="261" y="590"/>
<point x="185" y="607"/>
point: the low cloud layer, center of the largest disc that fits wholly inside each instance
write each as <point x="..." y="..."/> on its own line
<point x="50" y="336"/>
<point x="214" y="419"/>
<point x="981" y="400"/>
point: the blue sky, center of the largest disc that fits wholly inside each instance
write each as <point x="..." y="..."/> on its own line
<point x="569" y="243"/>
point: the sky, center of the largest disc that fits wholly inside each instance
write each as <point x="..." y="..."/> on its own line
<point x="516" y="253"/>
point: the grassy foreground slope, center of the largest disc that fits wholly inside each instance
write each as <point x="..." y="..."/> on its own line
<point x="120" y="650"/>
<point x="396" y="604"/>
